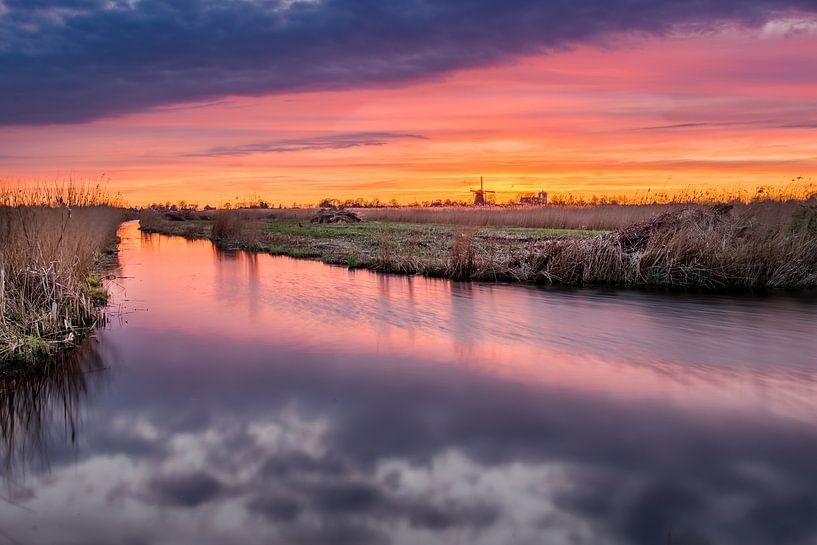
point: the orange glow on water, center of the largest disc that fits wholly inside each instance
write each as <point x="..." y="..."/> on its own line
<point x="567" y="341"/>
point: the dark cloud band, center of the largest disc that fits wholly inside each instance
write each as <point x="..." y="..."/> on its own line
<point x="331" y="141"/>
<point x="65" y="61"/>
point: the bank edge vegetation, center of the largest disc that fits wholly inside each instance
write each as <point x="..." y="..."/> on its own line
<point x="766" y="243"/>
<point x="51" y="241"/>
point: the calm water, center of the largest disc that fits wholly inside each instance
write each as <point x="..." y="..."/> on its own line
<point x="237" y="398"/>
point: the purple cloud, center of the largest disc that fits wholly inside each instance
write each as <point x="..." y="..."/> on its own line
<point x="64" y="61"/>
<point x="331" y="141"/>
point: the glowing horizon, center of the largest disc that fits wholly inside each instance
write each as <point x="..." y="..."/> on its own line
<point x="734" y="107"/>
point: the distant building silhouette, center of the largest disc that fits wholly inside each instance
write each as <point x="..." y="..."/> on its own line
<point x="540" y="199"/>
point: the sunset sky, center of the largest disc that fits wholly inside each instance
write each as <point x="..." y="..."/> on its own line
<point x="415" y="99"/>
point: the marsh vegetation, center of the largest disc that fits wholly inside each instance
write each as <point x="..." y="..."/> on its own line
<point x="766" y="243"/>
<point x="54" y="239"/>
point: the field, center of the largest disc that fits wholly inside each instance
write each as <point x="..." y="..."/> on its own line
<point x="50" y="262"/>
<point x="757" y="245"/>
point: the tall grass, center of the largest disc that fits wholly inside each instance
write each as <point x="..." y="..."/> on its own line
<point x="235" y="226"/>
<point x="265" y="214"/>
<point x="600" y="217"/>
<point x="48" y="292"/>
<point x="760" y="245"/>
<point x="763" y="243"/>
<point x="69" y="193"/>
<point x="151" y="221"/>
<point x="462" y="257"/>
<point x="767" y="244"/>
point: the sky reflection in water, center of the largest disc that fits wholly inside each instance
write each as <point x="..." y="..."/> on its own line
<point x="252" y="399"/>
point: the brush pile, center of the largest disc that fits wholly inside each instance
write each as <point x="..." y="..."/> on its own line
<point x="637" y="236"/>
<point x="335" y="215"/>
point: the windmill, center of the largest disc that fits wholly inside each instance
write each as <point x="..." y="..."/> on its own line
<point x="479" y="194"/>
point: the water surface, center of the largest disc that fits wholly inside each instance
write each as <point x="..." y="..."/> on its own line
<point x="239" y="398"/>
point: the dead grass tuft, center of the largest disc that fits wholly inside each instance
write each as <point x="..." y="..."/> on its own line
<point x="235" y="227"/>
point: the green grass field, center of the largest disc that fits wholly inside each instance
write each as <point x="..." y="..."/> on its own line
<point x="377" y="245"/>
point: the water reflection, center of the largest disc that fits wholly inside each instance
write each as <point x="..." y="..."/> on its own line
<point x="41" y="406"/>
<point x="266" y="400"/>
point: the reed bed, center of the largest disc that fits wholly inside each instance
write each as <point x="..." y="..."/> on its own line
<point x="265" y="214"/>
<point x="762" y="244"/>
<point x="151" y="221"/>
<point x="599" y="217"/>
<point x="49" y="242"/>
<point x="231" y="226"/>
<point x="766" y="244"/>
<point x="69" y="193"/>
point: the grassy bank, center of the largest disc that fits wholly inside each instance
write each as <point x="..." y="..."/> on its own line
<point x="383" y="246"/>
<point x="758" y="245"/>
<point x="50" y="284"/>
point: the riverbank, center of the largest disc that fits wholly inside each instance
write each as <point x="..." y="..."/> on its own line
<point x="51" y="270"/>
<point x="745" y="246"/>
<point x="430" y="249"/>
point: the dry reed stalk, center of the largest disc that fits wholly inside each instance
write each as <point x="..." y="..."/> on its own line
<point x="237" y="227"/>
<point x="48" y="294"/>
<point x="601" y="217"/>
<point x="269" y="214"/>
<point x="744" y="246"/>
<point x="150" y="221"/>
<point x="462" y="255"/>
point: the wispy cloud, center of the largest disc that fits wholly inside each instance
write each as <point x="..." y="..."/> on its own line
<point x="803" y="125"/>
<point x="331" y="141"/>
<point x="764" y="124"/>
<point x="680" y="126"/>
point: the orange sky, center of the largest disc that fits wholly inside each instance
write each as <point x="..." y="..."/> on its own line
<point x="736" y="107"/>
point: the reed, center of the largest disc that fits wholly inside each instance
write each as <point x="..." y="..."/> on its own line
<point x="151" y="221"/>
<point x="236" y="227"/>
<point x="599" y="217"/>
<point x="765" y="244"/>
<point x="462" y="255"/>
<point x="759" y="245"/>
<point x="265" y="214"/>
<point x="69" y="193"/>
<point x="49" y="293"/>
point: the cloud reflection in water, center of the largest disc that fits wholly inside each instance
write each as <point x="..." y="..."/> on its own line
<point x="290" y="416"/>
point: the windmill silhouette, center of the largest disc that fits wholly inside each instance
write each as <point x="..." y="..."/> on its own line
<point x="480" y="194"/>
